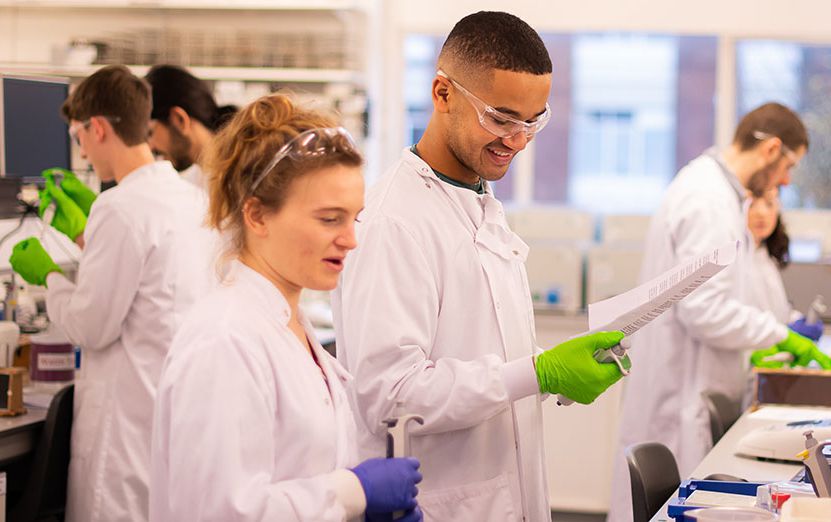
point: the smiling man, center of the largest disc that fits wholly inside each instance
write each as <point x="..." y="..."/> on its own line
<point x="434" y="315"/>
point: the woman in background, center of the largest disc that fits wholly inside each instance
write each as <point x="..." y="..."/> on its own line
<point x="764" y="220"/>
<point x="770" y="255"/>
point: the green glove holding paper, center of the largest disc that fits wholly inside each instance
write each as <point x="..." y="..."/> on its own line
<point x="69" y="218"/>
<point x="82" y="195"/>
<point x="569" y="368"/>
<point x="32" y="262"/>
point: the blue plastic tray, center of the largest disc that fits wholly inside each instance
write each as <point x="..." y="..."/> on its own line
<point x="677" y="507"/>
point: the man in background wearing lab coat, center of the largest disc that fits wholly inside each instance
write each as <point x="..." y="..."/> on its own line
<point x="434" y="315"/>
<point x="144" y="262"/>
<point x="702" y="343"/>
<point x="184" y="118"/>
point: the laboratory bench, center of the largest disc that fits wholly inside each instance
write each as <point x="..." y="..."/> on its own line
<point x="722" y="458"/>
<point x="19" y="434"/>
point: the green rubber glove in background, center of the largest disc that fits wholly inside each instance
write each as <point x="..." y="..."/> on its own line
<point x="802" y="350"/>
<point x="82" y="195"/>
<point x="797" y="345"/>
<point x="570" y="369"/>
<point x="814" y="355"/>
<point x="32" y="262"/>
<point x="69" y="218"/>
<point x="758" y="357"/>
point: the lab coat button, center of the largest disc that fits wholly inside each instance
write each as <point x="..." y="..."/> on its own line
<point x="327" y="401"/>
<point x="516" y="252"/>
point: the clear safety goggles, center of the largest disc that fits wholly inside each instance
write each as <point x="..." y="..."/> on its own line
<point x="786" y="151"/>
<point x="73" y="130"/>
<point x="498" y="123"/>
<point x="312" y="143"/>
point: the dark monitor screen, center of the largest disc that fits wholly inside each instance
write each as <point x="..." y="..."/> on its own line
<point x="34" y="134"/>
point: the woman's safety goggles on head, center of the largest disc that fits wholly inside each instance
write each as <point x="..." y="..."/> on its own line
<point x="498" y="123"/>
<point x="312" y="143"/>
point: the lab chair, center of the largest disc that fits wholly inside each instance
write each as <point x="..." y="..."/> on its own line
<point x="45" y="495"/>
<point x="722" y="411"/>
<point x="654" y="478"/>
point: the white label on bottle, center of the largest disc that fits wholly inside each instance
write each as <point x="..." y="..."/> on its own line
<point x="3" y="483"/>
<point x="56" y="361"/>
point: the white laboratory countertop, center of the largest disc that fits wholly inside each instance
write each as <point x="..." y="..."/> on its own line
<point x="722" y="459"/>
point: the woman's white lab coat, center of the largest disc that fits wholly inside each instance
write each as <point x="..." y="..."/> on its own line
<point x="432" y="303"/>
<point x="702" y="343"/>
<point x="767" y="289"/>
<point x="245" y="426"/>
<point x="144" y="263"/>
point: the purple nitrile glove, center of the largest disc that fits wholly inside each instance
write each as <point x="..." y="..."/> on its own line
<point x="812" y="331"/>
<point x="389" y="484"/>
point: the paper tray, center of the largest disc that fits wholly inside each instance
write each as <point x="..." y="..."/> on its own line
<point x="677" y="507"/>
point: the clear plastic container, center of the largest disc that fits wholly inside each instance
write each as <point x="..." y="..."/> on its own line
<point x="731" y="514"/>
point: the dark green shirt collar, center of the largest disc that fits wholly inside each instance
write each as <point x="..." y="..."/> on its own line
<point x="478" y="187"/>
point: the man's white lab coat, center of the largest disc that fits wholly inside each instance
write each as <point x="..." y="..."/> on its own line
<point x="246" y="427"/>
<point x="146" y="259"/>
<point x="196" y="176"/>
<point x="432" y="304"/>
<point x="702" y="343"/>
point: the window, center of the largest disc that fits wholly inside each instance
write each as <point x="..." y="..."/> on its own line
<point x="639" y="108"/>
<point x="798" y="76"/>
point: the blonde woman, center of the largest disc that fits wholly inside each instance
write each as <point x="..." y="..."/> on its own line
<point x="252" y="421"/>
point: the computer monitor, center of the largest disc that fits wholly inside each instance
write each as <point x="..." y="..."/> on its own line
<point x="33" y="136"/>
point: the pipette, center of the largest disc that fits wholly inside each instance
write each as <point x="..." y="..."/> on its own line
<point x="398" y="439"/>
<point x="46" y="220"/>
<point x="816" y="310"/>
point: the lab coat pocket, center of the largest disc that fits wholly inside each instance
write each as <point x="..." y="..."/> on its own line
<point x="502" y="242"/>
<point x="489" y="500"/>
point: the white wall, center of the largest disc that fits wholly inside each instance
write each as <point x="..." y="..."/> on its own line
<point x="803" y="19"/>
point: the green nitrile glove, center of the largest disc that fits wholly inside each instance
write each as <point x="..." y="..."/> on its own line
<point x="69" y="218"/>
<point x="823" y="360"/>
<point x="814" y="355"/>
<point x="570" y="369"/>
<point x="32" y="262"/>
<point x="73" y="187"/>
<point x="758" y="357"/>
<point x="798" y="345"/>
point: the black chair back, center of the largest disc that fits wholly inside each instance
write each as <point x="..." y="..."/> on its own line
<point x="654" y="478"/>
<point x="722" y="411"/>
<point x="45" y="494"/>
